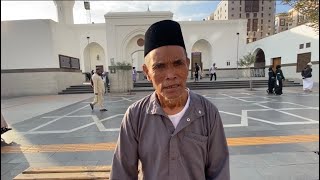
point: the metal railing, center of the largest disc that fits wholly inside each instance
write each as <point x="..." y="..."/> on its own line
<point x="257" y="72"/>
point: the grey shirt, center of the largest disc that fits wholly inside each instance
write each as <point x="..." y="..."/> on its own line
<point x="196" y="150"/>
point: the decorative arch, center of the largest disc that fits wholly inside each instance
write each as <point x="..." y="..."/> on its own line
<point x="135" y="51"/>
<point x="260" y="58"/>
<point x="94" y="55"/>
<point x="203" y="49"/>
<point x="125" y="55"/>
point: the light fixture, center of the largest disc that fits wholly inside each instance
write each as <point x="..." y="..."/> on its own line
<point x="98" y="57"/>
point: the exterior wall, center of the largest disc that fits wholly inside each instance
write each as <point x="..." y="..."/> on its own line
<point x="37" y="83"/>
<point x="286" y="45"/>
<point x="27" y="44"/>
<point x="97" y="34"/>
<point x="281" y="23"/>
<point x="295" y="18"/>
<point x="221" y="12"/>
<point x="122" y="27"/>
<point x="222" y="36"/>
<point x="65" y="41"/>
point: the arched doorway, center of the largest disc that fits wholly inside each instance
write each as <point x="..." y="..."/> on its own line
<point x="201" y="53"/>
<point x="260" y="58"/>
<point x="134" y="51"/>
<point x="94" y="56"/>
<point x="260" y="63"/>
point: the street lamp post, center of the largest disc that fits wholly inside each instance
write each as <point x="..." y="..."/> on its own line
<point x="238" y="56"/>
<point x="88" y="38"/>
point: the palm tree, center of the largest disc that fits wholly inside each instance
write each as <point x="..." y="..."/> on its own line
<point x="247" y="61"/>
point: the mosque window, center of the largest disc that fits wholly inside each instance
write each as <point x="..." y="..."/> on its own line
<point x="301" y="46"/>
<point x="308" y="45"/>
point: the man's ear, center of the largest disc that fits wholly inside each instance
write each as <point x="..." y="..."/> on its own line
<point x="146" y="71"/>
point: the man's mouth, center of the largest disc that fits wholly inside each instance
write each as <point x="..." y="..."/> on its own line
<point x="171" y="87"/>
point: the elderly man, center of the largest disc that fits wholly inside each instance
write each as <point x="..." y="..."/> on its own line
<point x="306" y="78"/>
<point x="98" y="89"/>
<point x="175" y="133"/>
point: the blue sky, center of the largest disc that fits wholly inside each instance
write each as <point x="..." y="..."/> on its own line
<point x="183" y="10"/>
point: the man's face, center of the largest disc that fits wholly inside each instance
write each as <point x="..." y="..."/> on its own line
<point x="167" y="68"/>
<point x="98" y="71"/>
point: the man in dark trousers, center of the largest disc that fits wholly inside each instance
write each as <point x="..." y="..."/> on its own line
<point x="196" y="72"/>
<point x="279" y="79"/>
<point x="175" y="133"/>
<point x="271" y="80"/>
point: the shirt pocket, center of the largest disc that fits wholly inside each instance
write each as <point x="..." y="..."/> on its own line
<point x="197" y="138"/>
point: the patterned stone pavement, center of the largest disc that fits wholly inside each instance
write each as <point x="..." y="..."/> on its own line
<point x="269" y="137"/>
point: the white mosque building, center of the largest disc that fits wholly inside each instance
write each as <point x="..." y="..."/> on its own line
<point x="45" y="57"/>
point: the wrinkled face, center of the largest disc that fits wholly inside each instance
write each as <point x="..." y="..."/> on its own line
<point x="167" y="68"/>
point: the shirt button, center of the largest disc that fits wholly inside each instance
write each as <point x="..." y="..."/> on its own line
<point x="188" y="119"/>
<point x="199" y="112"/>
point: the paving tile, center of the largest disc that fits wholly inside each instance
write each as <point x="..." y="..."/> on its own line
<point x="247" y="161"/>
<point x="6" y="157"/>
<point x="5" y="167"/>
<point x="62" y="157"/>
<point x="93" y="156"/>
<point x="33" y="157"/>
<point x="289" y="172"/>
<point x="288" y="158"/>
<point x="82" y="163"/>
<point x="238" y="173"/>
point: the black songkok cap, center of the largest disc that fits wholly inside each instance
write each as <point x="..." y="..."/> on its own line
<point x="163" y="33"/>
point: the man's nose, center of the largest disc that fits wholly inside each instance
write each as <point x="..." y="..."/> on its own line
<point x="171" y="73"/>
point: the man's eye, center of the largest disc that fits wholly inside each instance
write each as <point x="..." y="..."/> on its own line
<point x="177" y="63"/>
<point x="158" y="66"/>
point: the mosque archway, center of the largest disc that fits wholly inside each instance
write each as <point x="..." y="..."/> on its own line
<point x="94" y="56"/>
<point x="259" y="64"/>
<point x="135" y="51"/>
<point x="260" y="58"/>
<point x="201" y="53"/>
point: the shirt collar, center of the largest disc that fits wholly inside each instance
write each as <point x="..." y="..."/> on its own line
<point x="196" y="107"/>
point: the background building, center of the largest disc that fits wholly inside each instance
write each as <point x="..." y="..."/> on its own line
<point x="259" y="13"/>
<point x="285" y="21"/>
<point x="281" y="22"/>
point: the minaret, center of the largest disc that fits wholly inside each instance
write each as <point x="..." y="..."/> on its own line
<point x="65" y="11"/>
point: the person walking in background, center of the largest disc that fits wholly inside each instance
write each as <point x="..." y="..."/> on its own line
<point x="105" y="79"/>
<point x="306" y="74"/>
<point x="212" y="70"/>
<point x="134" y="74"/>
<point x="196" y="72"/>
<point x="271" y="80"/>
<point x="279" y="79"/>
<point x="98" y="89"/>
<point x="200" y="72"/>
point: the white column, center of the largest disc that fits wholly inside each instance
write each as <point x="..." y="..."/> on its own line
<point x="65" y="11"/>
